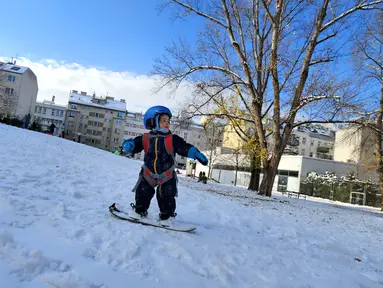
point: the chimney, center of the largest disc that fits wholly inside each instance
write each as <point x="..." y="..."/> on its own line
<point x="94" y="95"/>
<point x="83" y="93"/>
<point x="53" y="98"/>
<point x="122" y="100"/>
<point x="109" y="98"/>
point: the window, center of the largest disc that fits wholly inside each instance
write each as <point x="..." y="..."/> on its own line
<point x="36" y="109"/>
<point x="57" y="112"/>
<point x="70" y="123"/>
<point x="91" y="114"/>
<point x="72" y="114"/>
<point x="304" y="140"/>
<point x="312" y="142"/>
<point x="120" y="114"/>
<point x="303" y="152"/>
<point x="15" y="68"/>
<point x="44" y="110"/>
<point x="311" y="154"/>
<point x="73" y="106"/>
<point x="117" y="131"/>
<point x="61" y="113"/>
<point x="116" y="140"/>
<point x="11" y="78"/>
<point x="53" y="112"/>
<point x="118" y="122"/>
<point x="39" y="109"/>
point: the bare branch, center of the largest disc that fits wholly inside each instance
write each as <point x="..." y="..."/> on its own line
<point x="325" y="60"/>
<point x="190" y="8"/>
<point x="365" y="6"/>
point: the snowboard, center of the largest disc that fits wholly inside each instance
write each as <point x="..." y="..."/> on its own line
<point x="119" y="214"/>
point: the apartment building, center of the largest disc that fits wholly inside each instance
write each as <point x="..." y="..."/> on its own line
<point x="95" y="121"/>
<point x="315" y="141"/>
<point x="48" y="112"/>
<point x="18" y="90"/>
<point x="355" y="145"/>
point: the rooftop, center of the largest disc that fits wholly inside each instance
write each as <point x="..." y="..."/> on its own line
<point x="9" y="67"/>
<point x="100" y="102"/>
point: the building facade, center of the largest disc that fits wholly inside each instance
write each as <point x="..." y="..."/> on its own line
<point x="315" y="141"/>
<point x="18" y="90"/>
<point x="356" y="145"/>
<point x="95" y="121"/>
<point x="47" y="112"/>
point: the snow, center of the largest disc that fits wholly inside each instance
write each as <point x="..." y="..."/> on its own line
<point x="13" y="68"/>
<point x="55" y="230"/>
<point x="87" y="100"/>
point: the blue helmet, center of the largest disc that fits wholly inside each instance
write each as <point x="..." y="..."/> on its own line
<point x="152" y="114"/>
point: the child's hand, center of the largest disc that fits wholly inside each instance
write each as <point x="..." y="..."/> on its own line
<point x="128" y="145"/>
<point x="195" y="154"/>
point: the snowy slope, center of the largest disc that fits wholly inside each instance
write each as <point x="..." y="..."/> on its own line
<point x="55" y="230"/>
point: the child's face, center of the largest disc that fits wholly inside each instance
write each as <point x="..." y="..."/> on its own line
<point x="164" y="122"/>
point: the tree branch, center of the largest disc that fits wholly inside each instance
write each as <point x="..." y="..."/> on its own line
<point x="190" y="8"/>
<point x="365" y="6"/>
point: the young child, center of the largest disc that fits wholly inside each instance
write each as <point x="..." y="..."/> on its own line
<point x="160" y="146"/>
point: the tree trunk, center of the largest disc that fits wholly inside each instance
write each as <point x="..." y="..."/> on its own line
<point x="269" y="172"/>
<point x="235" y="178"/>
<point x="379" y="144"/>
<point x="255" y="166"/>
<point x="210" y="165"/>
<point x="381" y="189"/>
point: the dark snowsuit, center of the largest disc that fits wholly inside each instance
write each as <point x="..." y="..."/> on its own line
<point x="158" y="160"/>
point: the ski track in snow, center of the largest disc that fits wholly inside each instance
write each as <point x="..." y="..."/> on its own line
<point x="56" y="231"/>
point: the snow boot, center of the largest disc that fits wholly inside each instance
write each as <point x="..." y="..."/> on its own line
<point x="167" y="219"/>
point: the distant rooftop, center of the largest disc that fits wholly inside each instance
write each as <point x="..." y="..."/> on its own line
<point x="9" y="67"/>
<point x="316" y="129"/>
<point x="95" y="101"/>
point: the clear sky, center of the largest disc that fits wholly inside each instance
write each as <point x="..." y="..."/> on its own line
<point x="121" y="35"/>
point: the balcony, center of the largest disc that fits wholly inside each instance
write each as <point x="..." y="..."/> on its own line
<point x="323" y="149"/>
<point x="293" y="141"/>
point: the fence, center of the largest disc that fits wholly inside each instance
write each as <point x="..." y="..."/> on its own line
<point x="348" y="192"/>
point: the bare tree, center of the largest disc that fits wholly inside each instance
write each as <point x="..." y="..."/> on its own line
<point x="5" y="96"/>
<point x="214" y="134"/>
<point x="237" y="159"/>
<point x="368" y="59"/>
<point x="265" y="57"/>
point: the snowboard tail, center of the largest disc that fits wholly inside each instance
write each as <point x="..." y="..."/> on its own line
<point x="119" y="214"/>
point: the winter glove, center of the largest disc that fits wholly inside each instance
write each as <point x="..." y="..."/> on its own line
<point x="194" y="153"/>
<point x="128" y="145"/>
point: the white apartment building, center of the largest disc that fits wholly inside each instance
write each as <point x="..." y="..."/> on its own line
<point x="315" y="141"/>
<point x="95" y="121"/>
<point x="47" y="112"/>
<point x="18" y="90"/>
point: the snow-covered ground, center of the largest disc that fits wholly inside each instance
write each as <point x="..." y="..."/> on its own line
<point x="56" y="231"/>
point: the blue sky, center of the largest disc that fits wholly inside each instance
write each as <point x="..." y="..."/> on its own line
<point x="120" y="35"/>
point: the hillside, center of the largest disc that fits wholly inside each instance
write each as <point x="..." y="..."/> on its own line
<point x="56" y="231"/>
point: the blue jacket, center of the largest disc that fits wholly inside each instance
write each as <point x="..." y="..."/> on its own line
<point x="157" y="158"/>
